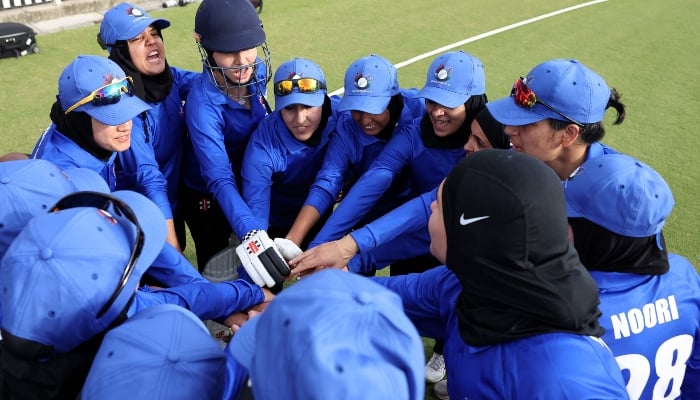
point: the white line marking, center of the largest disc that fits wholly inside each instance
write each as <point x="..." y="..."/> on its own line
<point x="484" y="35"/>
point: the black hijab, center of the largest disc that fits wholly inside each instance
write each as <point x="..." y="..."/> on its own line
<point x="520" y="274"/>
<point x="458" y="139"/>
<point x="148" y="88"/>
<point x="494" y="130"/>
<point x="77" y="126"/>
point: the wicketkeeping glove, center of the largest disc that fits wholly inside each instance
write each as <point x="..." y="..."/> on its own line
<point x="261" y="259"/>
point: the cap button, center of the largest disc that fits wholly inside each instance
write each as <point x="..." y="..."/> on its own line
<point x="46" y="254"/>
<point x="173" y="357"/>
<point x="4" y="179"/>
<point x="363" y="298"/>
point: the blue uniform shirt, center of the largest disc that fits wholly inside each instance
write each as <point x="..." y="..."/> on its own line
<point x="219" y="131"/>
<point x="544" y="366"/>
<point x="427" y="166"/>
<point x="166" y="132"/>
<point x="652" y="325"/>
<point x="65" y="153"/>
<point x="278" y="170"/>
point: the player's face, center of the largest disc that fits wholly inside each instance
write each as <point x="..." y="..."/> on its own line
<point x="436" y="228"/>
<point x="239" y="65"/>
<point x="302" y="120"/>
<point x="371" y="124"/>
<point x="477" y="140"/>
<point x="112" y="138"/>
<point x="538" y="140"/>
<point x="445" y="120"/>
<point x="148" y="52"/>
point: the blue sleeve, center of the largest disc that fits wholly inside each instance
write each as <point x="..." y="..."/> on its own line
<point x="426" y="297"/>
<point x="173" y="269"/>
<point x="236" y="375"/>
<point x="261" y="161"/>
<point x="411" y="216"/>
<point x="368" y="189"/>
<point x="205" y="124"/>
<point x="184" y="79"/>
<point x="330" y="179"/>
<point x="205" y="300"/>
<point x="140" y="171"/>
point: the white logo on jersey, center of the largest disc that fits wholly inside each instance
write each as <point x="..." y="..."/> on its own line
<point x="466" y="221"/>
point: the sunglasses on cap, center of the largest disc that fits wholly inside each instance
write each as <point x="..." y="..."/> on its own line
<point x="526" y="98"/>
<point x="106" y="203"/>
<point x="305" y="85"/>
<point x="108" y="94"/>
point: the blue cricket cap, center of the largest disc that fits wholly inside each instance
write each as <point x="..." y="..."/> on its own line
<point x="295" y="69"/>
<point x="87" y="73"/>
<point x="370" y="83"/>
<point x="567" y="85"/>
<point x="333" y="335"/>
<point x="31" y="187"/>
<point x="453" y="78"/>
<point x="621" y="194"/>
<point x="125" y="21"/>
<point x="63" y="267"/>
<point x="163" y="352"/>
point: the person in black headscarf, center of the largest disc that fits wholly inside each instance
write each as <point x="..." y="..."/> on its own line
<point x="152" y="166"/>
<point x="513" y="302"/>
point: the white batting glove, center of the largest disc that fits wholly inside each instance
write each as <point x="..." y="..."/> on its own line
<point x="261" y="259"/>
<point x="287" y="248"/>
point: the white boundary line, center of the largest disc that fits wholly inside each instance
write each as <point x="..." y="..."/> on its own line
<point x="484" y="35"/>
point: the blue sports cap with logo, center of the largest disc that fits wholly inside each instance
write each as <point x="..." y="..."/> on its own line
<point x="567" y="86"/>
<point x="621" y="194"/>
<point x="295" y="69"/>
<point x="64" y="266"/>
<point x="87" y="73"/>
<point x="162" y="352"/>
<point x="453" y="78"/>
<point x="125" y="21"/>
<point x="370" y="83"/>
<point x="30" y="187"/>
<point x="332" y="335"/>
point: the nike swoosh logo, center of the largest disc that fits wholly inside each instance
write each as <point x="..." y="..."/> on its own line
<point x="466" y="221"/>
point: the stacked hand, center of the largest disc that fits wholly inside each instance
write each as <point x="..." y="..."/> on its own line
<point x="335" y="254"/>
<point x="265" y="260"/>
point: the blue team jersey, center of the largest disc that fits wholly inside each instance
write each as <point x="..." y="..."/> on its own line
<point x="165" y="131"/>
<point x="65" y="154"/>
<point x="427" y="167"/>
<point x="278" y="170"/>
<point x="652" y="325"/>
<point x="544" y="366"/>
<point x="219" y="130"/>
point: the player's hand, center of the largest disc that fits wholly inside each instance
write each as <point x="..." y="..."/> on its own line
<point x="261" y="259"/>
<point x="335" y="254"/>
<point x="287" y="248"/>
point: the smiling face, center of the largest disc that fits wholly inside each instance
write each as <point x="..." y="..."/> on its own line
<point x="436" y="228"/>
<point x="148" y="52"/>
<point x="371" y="124"/>
<point x="301" y="120"/>
<point x="112" y="138"/>
<point x="445" y="120"/>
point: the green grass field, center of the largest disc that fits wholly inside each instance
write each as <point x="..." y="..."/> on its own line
<point x="647" y="50"/>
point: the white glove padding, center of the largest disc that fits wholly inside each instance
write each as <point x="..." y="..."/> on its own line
<point x="261" y="259"/>
<point x="287" y="248"/>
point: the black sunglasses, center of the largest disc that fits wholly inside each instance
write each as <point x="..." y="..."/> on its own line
<point x="106" y="202"/>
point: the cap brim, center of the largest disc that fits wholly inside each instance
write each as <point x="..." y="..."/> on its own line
<point x="143" y="23"/>
<point x="443" y="97"/>
<point x="307" y="99"/>
<point x="86" y="179"/>
<point x="152" y="223"/>
<point x="368" y="104"/>
<point x="507" y="112"/>
<point x="242" y="345"/>
<point x="125" y="110"/>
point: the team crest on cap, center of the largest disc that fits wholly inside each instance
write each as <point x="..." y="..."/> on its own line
<point x="443" y="73"/>
<point x="134" y="12"/>
<point x="362" y="82"/>
<point x="293" y="75"/>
